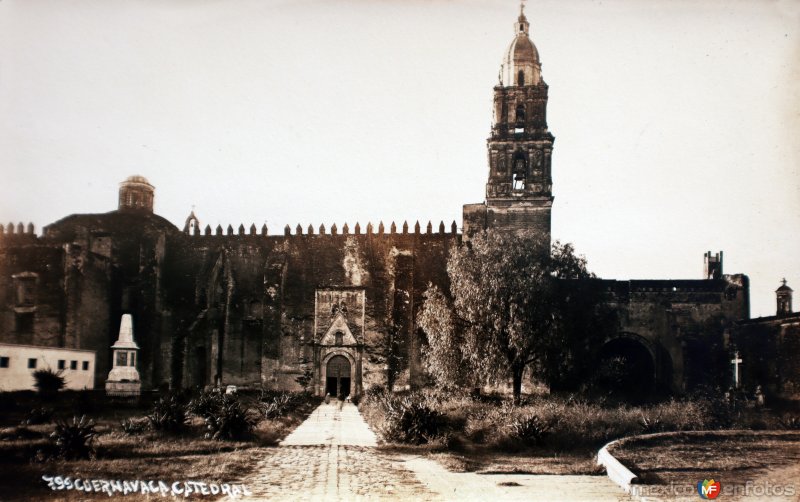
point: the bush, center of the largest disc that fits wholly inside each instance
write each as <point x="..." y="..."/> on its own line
<point x="790" y="422"/>
<point x="205" y="404"/>
<point x="224" y="415"/>
<point x="651" y="424"/>
<point x="230" y="420"/>
<point x="277" y="404"/>
<point x="23" y="433"/>
<point x="530" y="430"/>
<point x="410" y="420"/>
<point x="134" y="426"/>
<point x="73" y="439"/>
<point x="48" y="382"/>
<point x="169" y="414"/>
<point x="38" y="416"/>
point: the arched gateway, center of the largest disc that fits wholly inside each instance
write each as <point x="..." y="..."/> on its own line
<point x="338" y="344"/>
<point x="338" y="376"/>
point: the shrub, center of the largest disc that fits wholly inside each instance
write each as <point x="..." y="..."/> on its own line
<point x="205" y="404"/>
<point x="48" y="382"/>
<point x="169" y="415"/>
<point x="38" y="416"/>
<point x="276" y="405"/>
<point x="530" y="430"/>
<point x="73" y="439"/>
<point x="230" y="420"/>
<point x="790" y="422"/>
<point x="15" y="433"/>
<point x="224" y="415"/>
<point x="134" y="426"/>
<point x="374" y="393"/>
<point x="651" y="424"/>
<point x="410" y="420"/>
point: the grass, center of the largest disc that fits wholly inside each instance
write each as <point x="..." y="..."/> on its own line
<point x="686" y="457"/>
<point x="485" y="434"/>
<point x="148" y="456"/>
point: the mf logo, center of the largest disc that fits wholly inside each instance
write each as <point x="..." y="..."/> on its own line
<point x="708" y="489"/>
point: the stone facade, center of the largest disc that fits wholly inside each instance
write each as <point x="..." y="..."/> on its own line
<point x="769" y="348"/>
<point x="332" y="310"/>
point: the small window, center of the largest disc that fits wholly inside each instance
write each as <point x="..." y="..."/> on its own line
<point x="26" y="289"/>
<point x="85" y="365"/>
<point x="62" y="364"/>
<point x="4" y="362"/>
<point x="339" y="338"/>
<point x="122" y="358"/>
<point x="32" y="364"/>
<point x="73" y="365"/>
<point x="521" y="78"/>
<point x="133" y="359"/>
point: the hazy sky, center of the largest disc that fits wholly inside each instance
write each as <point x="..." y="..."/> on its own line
<point x="676" y="122"/>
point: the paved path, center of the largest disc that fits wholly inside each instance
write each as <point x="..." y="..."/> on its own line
<point x="331" y="425"/>
<point x="331" y="457"/>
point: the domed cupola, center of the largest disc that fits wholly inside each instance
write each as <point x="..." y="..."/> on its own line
<point x="136" y="194"/>
<point x="521" y="64"/>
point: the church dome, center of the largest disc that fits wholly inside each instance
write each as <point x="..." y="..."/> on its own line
<point x="137" y="179"/>
<point x="521" y="64"/>
<point x="136" y="193"/>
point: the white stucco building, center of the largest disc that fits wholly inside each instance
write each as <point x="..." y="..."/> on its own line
<point x="18" y="362"/>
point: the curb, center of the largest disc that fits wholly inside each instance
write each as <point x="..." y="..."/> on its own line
<point x="616" y="472"/>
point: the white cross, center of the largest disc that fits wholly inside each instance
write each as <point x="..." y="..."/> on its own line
<point x="735" y="362"/>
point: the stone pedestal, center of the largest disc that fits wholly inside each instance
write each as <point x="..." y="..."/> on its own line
<point x="123" y="379"/>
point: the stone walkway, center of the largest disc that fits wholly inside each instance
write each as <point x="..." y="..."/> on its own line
<point x="331" y="457"/>
<point x="331" y="425"/>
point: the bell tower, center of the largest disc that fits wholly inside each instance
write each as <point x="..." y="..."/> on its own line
<point x="519" y="187"/>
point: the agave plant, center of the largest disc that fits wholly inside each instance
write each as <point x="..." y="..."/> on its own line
<point x="169" y="414"/>
<point x="73" y="439"/>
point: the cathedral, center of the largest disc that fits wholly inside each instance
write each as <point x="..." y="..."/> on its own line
<point x="333" y="310"/>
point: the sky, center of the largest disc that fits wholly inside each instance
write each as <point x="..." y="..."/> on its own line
<point x="676" y="122"/>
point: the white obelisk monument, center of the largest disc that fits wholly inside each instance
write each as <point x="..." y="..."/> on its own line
<point x="123" y="379"/>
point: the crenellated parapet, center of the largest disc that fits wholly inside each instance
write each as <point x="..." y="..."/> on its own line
<point x="18" y="234"/>
<point x="323" y="231"/>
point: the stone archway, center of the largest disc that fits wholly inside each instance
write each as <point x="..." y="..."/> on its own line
<point x="627" y="365"/>
<point x="338" y="376"/>
<point x="339" y="373"/>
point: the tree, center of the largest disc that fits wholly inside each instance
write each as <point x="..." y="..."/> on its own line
<point x="384" y="350"/>
<point x="443" y="355"/>
<point x="516" y="303"/>
<point x="307" y="376"/>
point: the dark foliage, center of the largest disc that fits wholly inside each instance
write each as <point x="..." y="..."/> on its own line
<point x="134" y="426"/>
<point x="231" y="420"/>
<point x="529" y="430"/>
<point x="225" y="416"/>
<point x="651" y="424"/>
<point x="790" y="422"/>
<point x="73" y="439"/>
<point x="38" y="416"/>
<point x="206" y="403"/>
<point x="276" y="404"/>
<point x="169" y="414"/>
<point x="48" y="382"/>
<point x="410" y="420"/>
<point x="19" y="433"/>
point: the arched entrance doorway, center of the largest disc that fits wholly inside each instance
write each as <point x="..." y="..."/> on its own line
<point x="626" y="367"/>
<point x="338" y="377"/>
